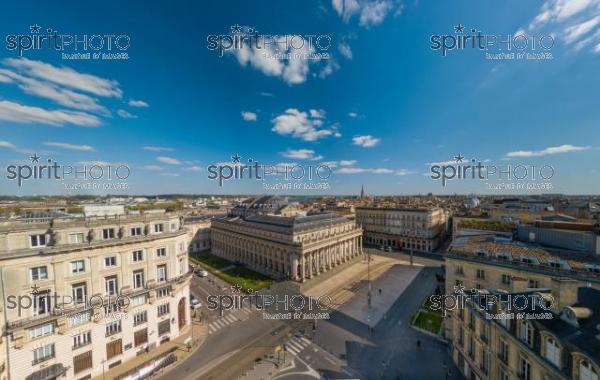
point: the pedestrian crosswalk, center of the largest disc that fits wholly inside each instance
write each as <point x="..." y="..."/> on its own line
<point x="227" y="319"/>
<point x="295" y="345"/>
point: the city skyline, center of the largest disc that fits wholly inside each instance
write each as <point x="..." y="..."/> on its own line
<point x="379" y="114"/>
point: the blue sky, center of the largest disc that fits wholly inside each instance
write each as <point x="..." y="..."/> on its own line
<point x="381" y="108"/>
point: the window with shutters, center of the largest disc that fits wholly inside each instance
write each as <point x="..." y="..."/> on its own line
<point x="164" y="327"/>
<point x="113" y="349"/>
<point x="140" y="337"/>
<point x="82" y="362"/>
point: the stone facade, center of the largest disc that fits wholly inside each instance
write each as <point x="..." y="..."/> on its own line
<point x="61" y="282"/>
<point x="296" y="248"/>
<point x="419" y="229"/>
<point x="510" y="348"/>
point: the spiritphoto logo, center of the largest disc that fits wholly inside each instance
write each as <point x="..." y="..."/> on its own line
<point x="286" y="46"/>
<point x="88" y="176"/>
<point x="49" y="302"/>
<point x="254" y="170"/>
<point x="511" y="176"/>
<point x="521" y="46"/>
<point x="273" y="306"/>
<point x="72" y="46"/>
<point x="496" y="305"/>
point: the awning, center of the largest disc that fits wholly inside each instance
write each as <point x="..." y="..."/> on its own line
<point x="48" y="373"/>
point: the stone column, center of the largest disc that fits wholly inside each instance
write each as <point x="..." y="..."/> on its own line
<point x="295" y="267"/>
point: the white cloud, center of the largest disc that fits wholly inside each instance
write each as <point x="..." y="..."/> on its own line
<point x="62" y="96"/>
<point x="8" y="145"/>
<point x="125" y="114"/>
<point x="169" y="174"/>
<point x="404" y="172"/>
<point x="331" y="164"/>
<point x="269" y="59"/>
<point x="168" y="160"/>
<point x="103" y="163"/>
<point x="67" y="77"/>
<point x="442" y="163"/>
<point x="302" y="154"/>
<point x="346" y="8"/>
<point x="366" y="141"/>
<point x="249" y="116"/>
<point x="352" y="114"/>
<point x="317" y="114"/>
<point x="137" y="103"/>
<point x="267" y="94"/>
<point x="18" y="113"/>
<point x="354" y="170"/>
<point x="152" y="167"/>
<point x="84" y="148"/>
<point x="347" y="162"/>
<point x="547" y="151"/>
<point x="157" y="148"/>
<point x="345" y="50"/>
<point x="371" y="12"/>
<point x="194" y="169"/>
<point x="578" y="21"/>
<point x="302" y="125"/>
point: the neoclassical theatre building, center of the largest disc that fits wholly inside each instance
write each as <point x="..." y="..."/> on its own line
<point x="292" y="247"/>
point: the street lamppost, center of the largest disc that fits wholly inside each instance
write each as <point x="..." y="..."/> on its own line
<point x="369" y="279"/>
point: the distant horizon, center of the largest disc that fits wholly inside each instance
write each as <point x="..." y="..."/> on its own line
<point x="296" y="195"/>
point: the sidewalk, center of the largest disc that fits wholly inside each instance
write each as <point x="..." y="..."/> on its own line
<point x="178" y="346"/>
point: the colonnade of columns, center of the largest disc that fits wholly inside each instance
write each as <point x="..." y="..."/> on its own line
<point x="314" y="262"/>
<point x="281" y="261"/>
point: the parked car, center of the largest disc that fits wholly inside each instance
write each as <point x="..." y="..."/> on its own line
<point x="194" y="303"/>
<point x="389" y="249"/>
<point x="381" y="248"/>
<point x="201" y="272"/>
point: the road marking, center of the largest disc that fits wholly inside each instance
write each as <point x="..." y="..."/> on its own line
<point x="220" y="324"/>
<point x="230" y="318"/>
<point x="306" y="340"/>
<point x="295" y="345"/>
<point x="329" y="360"/>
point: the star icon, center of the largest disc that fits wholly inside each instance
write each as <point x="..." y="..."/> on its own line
<point x="459" y="289"/>
<point x="35" y="28"/>
<point x="35" y="289"/>
<point x="236" y="288"/>
<point x="236" y="158"/>
<point x="459" y="28"/>
<point x="459" y="158"/>
<point x="236" y="29"/>
<point x="35" y="158"/>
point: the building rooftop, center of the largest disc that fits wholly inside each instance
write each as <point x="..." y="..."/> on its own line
<point x="289" y="224"/>
<point x="492" y="249"/>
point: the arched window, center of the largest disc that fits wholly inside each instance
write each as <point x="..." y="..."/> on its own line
<point x="586" y="371"/>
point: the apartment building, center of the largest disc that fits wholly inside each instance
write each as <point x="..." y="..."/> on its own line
<point x="199" y="230"/>
<point x="565" y="346"/>
<point x="562" y="345"/>
<point x="419" y="229"/>
<point x="82" y="295"/>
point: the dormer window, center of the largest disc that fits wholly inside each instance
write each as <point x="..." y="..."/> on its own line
<point x="592" y="268"/>
<point x="586" y="371"/>
<point x="482" y="253"/>
<point x="503" y="256"/>
<point x="526" y="333"/>
<point x="552" y="351"/>
<point x="528" y="260"/>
